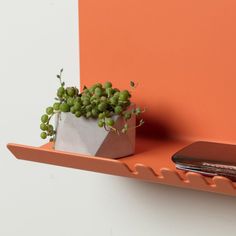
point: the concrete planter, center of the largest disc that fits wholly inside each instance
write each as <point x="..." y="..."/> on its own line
<point x="81" y="135"/>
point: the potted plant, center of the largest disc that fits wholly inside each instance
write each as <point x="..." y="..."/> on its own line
<point x="98" y="121"/>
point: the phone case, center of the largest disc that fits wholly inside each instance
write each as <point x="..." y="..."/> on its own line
<point x="208" y="158"/>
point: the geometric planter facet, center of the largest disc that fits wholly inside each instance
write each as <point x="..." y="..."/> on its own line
<point x="84" y="136"/>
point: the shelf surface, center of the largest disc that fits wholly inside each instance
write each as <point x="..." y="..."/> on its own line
<point x="152" y="162"/>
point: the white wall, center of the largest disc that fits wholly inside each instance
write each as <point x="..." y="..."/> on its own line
<point x="37" y="38"/>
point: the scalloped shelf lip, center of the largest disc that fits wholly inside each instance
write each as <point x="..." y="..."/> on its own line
<point x="152" y="162"/>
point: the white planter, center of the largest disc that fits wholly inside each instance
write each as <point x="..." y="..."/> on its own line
<point x="81" y="135"/>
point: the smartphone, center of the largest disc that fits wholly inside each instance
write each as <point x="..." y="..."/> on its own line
<point x="208" y="158"/>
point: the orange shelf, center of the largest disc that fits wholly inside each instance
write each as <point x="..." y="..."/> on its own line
<point x="152" y="162"/>
<point x="184" y="65"/>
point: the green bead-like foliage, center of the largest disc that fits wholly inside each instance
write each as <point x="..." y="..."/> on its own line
<point x="108" y="114"/>
<point x="60" y="92"/>
<point x="43" y="135"/>
<point x="101" y="123"/>
<point x="103" y="98"/>
<point x="116" y="94"/>
<point x="77" y="99"/>
<point x="86" y="102"/>
<point x="88" y="114"/>
<point x="98" y="91"/>
<point x="43" y="127"/>
<point x="49" y="110"/>
<point x="100" y="102"/>
<point x="64" y="107"/>
<point x="118" y="110"/>
<point x="101" y="115"/>
<point x="50" y="128"/>
<point x="78" y="114"/>
<point x="70" y="101"/>
<point x="109" y="92"/>
<point x="110" y="122"/>
<point x="102" y="106"/>
<point x="56" y="106"/>
<point x="127" y="115"/>
<point x="114" y="100"/>
<point x="123" y="96"/>
<point x="127" y="93"/>
<point x="77" y="106"/>
<point x="72" y="110"/>
<point x="98" y="85"/>
<point x="107" y="85"/>
<point x="88" y="107"/>
<point x="70" y="91"/>
<point x="44" y="118"/>
<point x="95" y="112"/>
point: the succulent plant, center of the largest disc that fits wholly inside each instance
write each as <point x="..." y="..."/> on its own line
<point x="99" y="102"/>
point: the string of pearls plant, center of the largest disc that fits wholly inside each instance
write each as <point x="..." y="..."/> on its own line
<point x="99" y="102"/>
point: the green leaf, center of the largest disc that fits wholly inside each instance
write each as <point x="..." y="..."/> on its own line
<point x="123" y="131"/>
<point x="138" y="111"/>
<point x="133" y="111"/>
<point x="132" y="84"/>
<point x="141" y="122"/>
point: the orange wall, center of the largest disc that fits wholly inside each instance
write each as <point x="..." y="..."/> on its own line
<point x="182" y="53"/>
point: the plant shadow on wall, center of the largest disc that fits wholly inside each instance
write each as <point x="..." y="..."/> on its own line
<point x="157" y="130"/>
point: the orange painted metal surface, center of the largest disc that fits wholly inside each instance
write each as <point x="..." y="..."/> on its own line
<point x="182" y="54"/>
<point x="150" y="163"/>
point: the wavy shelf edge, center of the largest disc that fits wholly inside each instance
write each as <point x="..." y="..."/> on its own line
<point x="45" y="154"/>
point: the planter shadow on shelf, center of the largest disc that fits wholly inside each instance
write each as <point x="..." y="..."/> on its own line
<point x="81" y="135"/>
